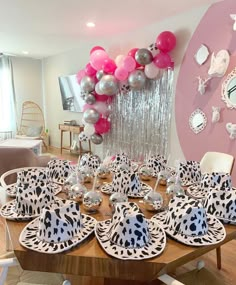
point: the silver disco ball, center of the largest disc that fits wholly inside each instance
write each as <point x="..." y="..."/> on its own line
<point x="92" y="201"/>
<point x="77" y="192"/>
<point x="153" y="201"/>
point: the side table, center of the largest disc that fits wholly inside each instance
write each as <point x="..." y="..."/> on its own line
<point x="72" y="130"/>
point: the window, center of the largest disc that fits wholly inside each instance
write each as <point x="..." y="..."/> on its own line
<point x="7" y="96"/>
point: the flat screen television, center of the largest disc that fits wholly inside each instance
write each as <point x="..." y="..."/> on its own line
<point x="70" y="93"/>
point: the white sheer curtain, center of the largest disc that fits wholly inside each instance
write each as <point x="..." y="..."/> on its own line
<point x="7" y="96"/>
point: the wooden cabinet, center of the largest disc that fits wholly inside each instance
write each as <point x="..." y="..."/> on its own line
<point x="72" y="130"/>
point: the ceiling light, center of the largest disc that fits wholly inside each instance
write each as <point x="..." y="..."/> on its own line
<point x="90" y="24"/>
<point x="25" y="52"/>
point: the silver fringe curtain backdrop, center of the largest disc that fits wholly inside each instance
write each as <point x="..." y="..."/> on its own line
<point x="140" y="120"/>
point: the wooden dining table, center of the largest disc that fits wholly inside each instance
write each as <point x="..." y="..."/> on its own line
<point x="89" y="259"/>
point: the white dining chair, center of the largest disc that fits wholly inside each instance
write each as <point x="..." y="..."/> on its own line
<point x="216" y="162"/>
<point x="11" y="273"/>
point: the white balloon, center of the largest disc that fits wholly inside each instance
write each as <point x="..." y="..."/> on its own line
<point x="101" y="107"/>
<point x="89" y="129"/>
<point x="151" y="70"/>
<point x="119" y="60"/>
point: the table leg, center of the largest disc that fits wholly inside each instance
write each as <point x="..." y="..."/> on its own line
<point x="61" y="139"/>
<point x="71" y="139"/>
<point x="218" y="257"/>
<point x="7" y="238"/>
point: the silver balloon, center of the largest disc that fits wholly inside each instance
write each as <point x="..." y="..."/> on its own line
<point x="108" y="85"/>
<point x="90" y="99"/>
<point x="143" y="56"/>
<point x="87" y="84"/>
<point x="100" y="74"/>
<point x="153" y="201"/>
<point x="92" y="201"/>
<point x="91" y="116"/>
<point x="96" y="138"/>
<point x="137" y="79"/>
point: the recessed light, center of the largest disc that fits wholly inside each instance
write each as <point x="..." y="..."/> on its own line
<point x="90" y="24"/>
<point x="25" y="52"/>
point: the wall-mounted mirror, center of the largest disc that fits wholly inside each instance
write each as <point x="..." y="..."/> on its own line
<point x="229" y="90"/>
<point x="197" y="121"/>
<point x="201" y="54"/>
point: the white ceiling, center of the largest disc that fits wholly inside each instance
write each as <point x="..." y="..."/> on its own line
<point x="49" y="27"/>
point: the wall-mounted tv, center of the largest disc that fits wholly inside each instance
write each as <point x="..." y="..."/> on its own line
<point x="70" y="93"/>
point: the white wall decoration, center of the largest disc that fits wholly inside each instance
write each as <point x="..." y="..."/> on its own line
<point x="215" y="114"/>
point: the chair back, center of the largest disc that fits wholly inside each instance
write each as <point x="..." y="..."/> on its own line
<point x="32" y="120"/>
<point x="216" y="162"/>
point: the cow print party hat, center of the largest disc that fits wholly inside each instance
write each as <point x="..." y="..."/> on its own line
<point x="189" y="172"/>
<point x="187" y="221"/>
<point x="126" y="182"/>
<point x="120" y="159"/>
<point x="30" y="176"/>
<point x="222" y="204"/>
<point x="58" y="170"/>
<point x="59" y="228"/>
<point x="157" y="163"/>
<point x="209" y="181"/>
<point x="90" y="161"/>
<point x="32" y="195"/>
<point x="129" y="235"/>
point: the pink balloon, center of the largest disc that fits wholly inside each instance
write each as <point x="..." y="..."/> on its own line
<point x="166" y="41"/>
<point x="80" y="75"/>
<point x="102" y="126"/>
<point x="96" y="48"/>
<point x="101" y="98"/>
<point x="89" y="70"/>
<point x="86" y="106"/>
<point x="121" y="73"/>
<point x="162" y="60"/>
<point x="129" y="63"/>
<point x="101" y="107"/>
<point x="132" y="53"/>
<point x="97" y="59"/>
<point x="109" y="66"/>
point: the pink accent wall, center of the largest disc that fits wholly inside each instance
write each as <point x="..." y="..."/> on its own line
<point x="215" y="30"/>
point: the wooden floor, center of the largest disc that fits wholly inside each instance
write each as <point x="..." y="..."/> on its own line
<point x="227" y="274"/>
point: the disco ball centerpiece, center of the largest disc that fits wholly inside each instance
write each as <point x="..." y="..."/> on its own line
<point x="145" y="173"/>
<point x="71" y="180"/>
<point x="103" y="172"/>
<point x="153" y="201"/>
<point x="77" y="192"/>
<point x="92" y="201"/>
<point x="87" y="174"/>
<point x="163" y="176"/>
<point x="117" y="197"/>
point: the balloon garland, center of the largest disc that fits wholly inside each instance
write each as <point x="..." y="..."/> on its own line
<point x="103" y="77"/>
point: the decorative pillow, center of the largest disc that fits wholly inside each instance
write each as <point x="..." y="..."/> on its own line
<point x="34" y="131"/>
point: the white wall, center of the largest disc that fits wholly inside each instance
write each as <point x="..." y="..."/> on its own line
<point x="70" y="62"/>
<point x="28" y="81"/>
